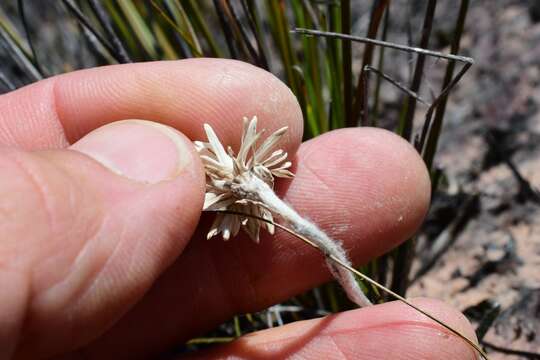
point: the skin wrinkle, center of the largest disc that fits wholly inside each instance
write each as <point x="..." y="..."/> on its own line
<point x="84" y="290"/>
<point x="38" y="185"/>
<point x="95" y="279"/>
<point x="56" y="96"/>
<point x="78" y="295"/>
<point x="53" y="90"/>
<point x="352" y="332"/>
<point x="34" y="117"/>
<point x="142" y="240"/>
<point x="88" y="231"/>
<point x="336" y="346"/>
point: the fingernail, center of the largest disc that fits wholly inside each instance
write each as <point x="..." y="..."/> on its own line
<point x="140" y="150"/>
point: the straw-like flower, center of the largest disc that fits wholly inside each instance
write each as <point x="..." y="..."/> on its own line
<point x="227" y="172"/>
<point x="244" y="183"/>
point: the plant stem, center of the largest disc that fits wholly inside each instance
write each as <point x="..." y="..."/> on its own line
<point x="255" y="189"/>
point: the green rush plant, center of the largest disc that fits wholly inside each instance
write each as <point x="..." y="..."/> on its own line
<point x="309" y="45"/>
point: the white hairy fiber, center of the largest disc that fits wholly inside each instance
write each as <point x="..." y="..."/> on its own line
<point x="244" y="183"/>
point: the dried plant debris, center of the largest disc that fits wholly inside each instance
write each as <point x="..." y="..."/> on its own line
<point x="241" y="187"/>
<point x="227" y="172"/>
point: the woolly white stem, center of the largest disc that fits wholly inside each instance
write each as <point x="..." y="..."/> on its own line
<point x="255" y="189"/>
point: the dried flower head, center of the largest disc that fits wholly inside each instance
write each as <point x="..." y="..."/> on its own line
<point x="226" y="173"/>
<point x="244" y="184"/>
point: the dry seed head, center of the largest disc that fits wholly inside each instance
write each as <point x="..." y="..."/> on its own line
<point x="229" y="175"/>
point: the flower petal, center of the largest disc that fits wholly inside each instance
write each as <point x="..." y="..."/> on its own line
<point x="211" y="200"/>
<point x="282" y="173"/>
<point x="200" y="146"/>
<point x="222" y="204"/>
<point x="214" y="229"/>
<point x="269" y="143"/>
<point x="275" y="158"/>
<point x="246" y="146"/>
<point x="209" y="160"/>
<point x="217" y="147"/>
<point x="225" y="226"/>
<point x="266" y="214"/>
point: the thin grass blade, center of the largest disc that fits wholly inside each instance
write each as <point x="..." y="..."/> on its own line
<point x="406" y="123"/>
<point x="195" y="15"/>
<point x="360" y="99"/>
<point x="139" y="26"/>
<point x="34" y="59"/>
<point x="250" y="8"/>
<point x="346" y="56"/>
<point x="18" y="55"/>
<point x="365" y="278"/>
<point x="106" y="23"/>
<point x="435" y="129"/>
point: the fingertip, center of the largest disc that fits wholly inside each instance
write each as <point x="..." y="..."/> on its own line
<point x="183" y="94"/>
<point x="375" y="186"/>
<point x="405" y="172"/>
<point x="141" y="150"/>
<point x="243" y="86"/>
<point x="444" y="312"/>
<point x="99" y="223"/>
<point x="388" y="331"/>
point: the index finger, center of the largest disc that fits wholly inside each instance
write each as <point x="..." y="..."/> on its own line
<point x="183" y="94"/>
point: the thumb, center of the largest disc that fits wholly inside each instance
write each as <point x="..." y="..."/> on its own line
<point x="87" y="230"/>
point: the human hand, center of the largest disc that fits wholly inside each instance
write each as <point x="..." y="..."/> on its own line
<point x="101" y="257"/>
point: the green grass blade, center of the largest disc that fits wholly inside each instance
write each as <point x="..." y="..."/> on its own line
<point x="6" y="82"/>
<point x="14" y="34"/>
<point x="316" y="114"/>
<point x="380" y="67"/>
<point x="34" y="59"/>
<point x="120" y="22"/>
<point x="183" y="24"/>
<point x="406" y="123"/>
<point x="360" y="98"/>
<point x="252" y="14"/>
<point x="139" y="26"/>
<point x="169" y="53"/>
<point x="192" y="7"/>
<point x="241" y="35"/>
<point x="280" y="30"/>
<point x="93" y="34"/>
<point x="18" y="55"/>
<point x="227" y="31"/>
<point x="346" y="56"/>
<point x="104" y="19"/>
<point x="334" y="52"/>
